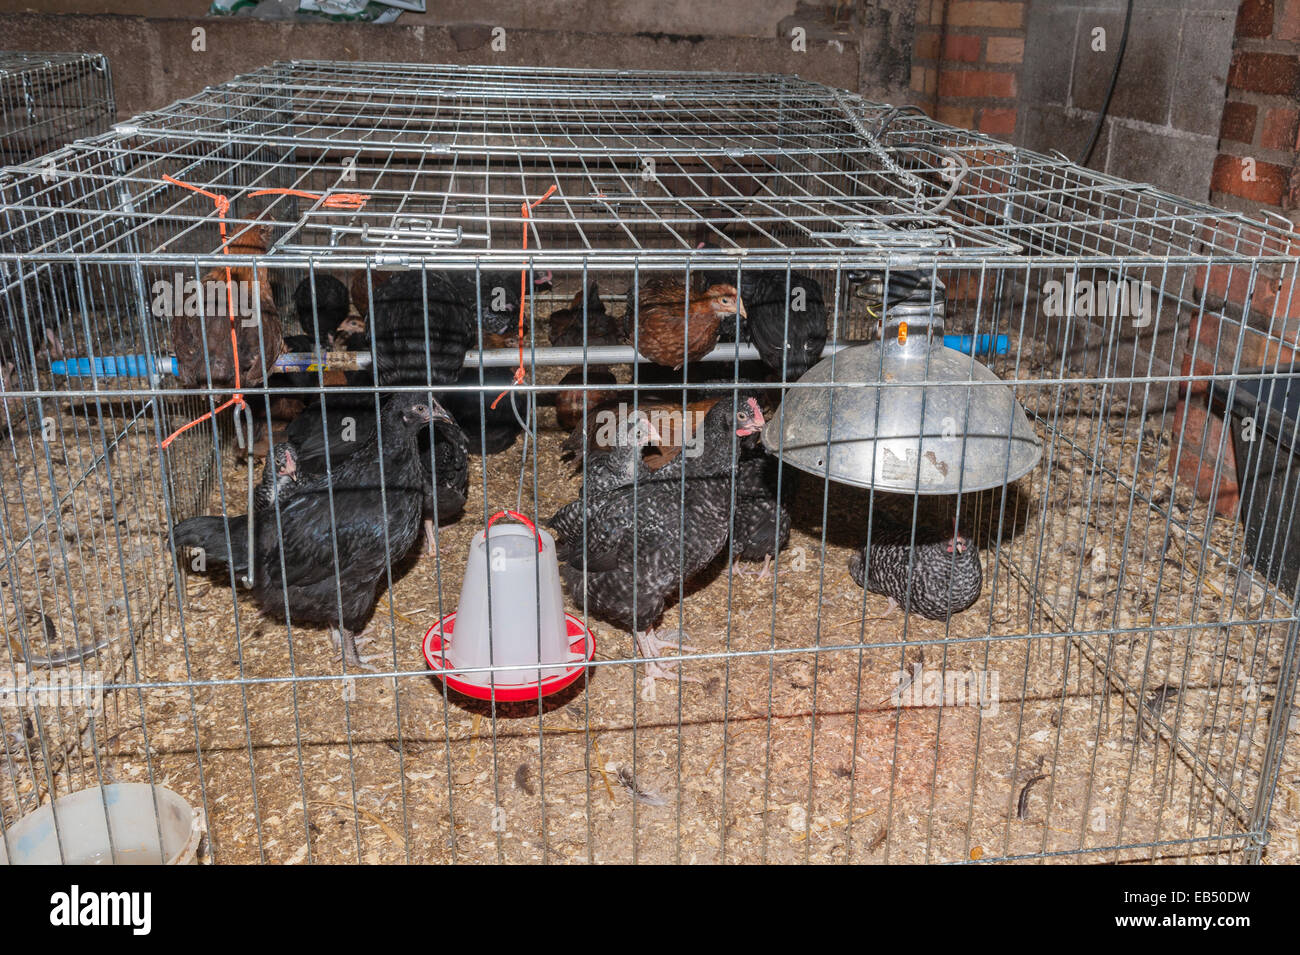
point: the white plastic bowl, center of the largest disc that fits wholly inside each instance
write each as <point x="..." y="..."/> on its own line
<point x="83" y="827"/>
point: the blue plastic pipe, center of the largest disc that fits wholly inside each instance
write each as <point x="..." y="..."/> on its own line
<point x="116" y="366"/>
<point x="984" y="346"/>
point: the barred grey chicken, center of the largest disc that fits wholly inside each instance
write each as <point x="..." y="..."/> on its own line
<point x="945" y="574"/>
<point x="639" y="545"/>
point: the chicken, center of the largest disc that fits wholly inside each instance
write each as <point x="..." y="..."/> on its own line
<point x="567" y="324"/>
<point x="369" y="513"/>
<point x="762" y="521"/>
<point x="640" y="546"/>
<point x="321" y="313"/>
<point x="255" y="319"/>
<point x="364" y="284"/>
<point x="342" y="339"/>
<point x="944" y="576"/>
<point x="789" y="339"/>
<point x="350" y="426"/>
<point x="668" y="331"/>
<point x="668" y="426"/>
<point x="425" y="322"/>
<point x="569" y="403"/>
<point x="488" y="430"/>
<point x="616" y="463"/>
<point x="225" y="540"/>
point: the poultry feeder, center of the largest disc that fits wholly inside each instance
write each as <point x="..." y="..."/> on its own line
<point x="510" y="619"/>
<point x="958" y="429"/>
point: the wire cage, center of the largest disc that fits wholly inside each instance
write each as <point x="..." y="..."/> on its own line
<point x="48" y="99"/>
<point x="1119" y="691"/>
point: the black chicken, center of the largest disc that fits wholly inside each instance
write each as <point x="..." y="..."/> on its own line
<point x="349" y="425"/>
<point x="945" y="576"/>
<point x="789" y="345"/>
<point x="370" y="512"/>
<point x="489" y="430"/>
<point x="425" y="322"/>
<point x="762" y="521"/>
<point x="640" y="546"/>
<point x="322" y="314"/>
<point x="225" y="540"/>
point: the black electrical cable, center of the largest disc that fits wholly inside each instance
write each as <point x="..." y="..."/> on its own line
<point x="1110" y="90"/>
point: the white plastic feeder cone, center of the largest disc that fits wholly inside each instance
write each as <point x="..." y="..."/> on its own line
<point x="526" y="623"/>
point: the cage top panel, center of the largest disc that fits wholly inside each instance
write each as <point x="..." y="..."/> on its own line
<point x="645" y="165"/>
<point x="16" y="62"/>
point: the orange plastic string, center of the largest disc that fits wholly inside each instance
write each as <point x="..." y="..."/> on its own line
<point x="338" y="200"/>
<point x="525" y="209"/>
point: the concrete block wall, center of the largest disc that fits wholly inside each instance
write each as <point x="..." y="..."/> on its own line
<point x="1163" y="123"/>
<point x="863" y="46"/>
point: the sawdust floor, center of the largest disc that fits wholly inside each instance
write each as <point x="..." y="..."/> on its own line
<point x="778" y="757"/>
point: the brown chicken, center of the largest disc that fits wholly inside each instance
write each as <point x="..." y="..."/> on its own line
<point x="364" y="284"/>
<point x="662" y="319"/>
<point x="249" y="291"/>
<point x="568" y="404"/>
<point x="567" y="325"/>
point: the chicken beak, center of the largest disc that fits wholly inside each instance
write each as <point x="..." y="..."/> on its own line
<point x="740" y="307"/>
<point x="439" y="413"/>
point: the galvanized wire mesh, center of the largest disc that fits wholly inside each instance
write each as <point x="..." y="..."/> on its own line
<point x="48" y="99"/>
<point x="1119" y="691"/>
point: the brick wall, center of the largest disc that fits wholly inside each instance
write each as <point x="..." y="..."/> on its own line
<point x="967" y="65"/>
<point x="1030" y="72"/>
<point x="1256" y="170"/>
<point x="1261" y="118"/>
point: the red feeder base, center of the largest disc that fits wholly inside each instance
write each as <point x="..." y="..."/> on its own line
<point x="581" y="640"/>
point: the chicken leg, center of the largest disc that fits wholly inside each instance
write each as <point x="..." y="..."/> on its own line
<point x="346" y="642"/>
<point x="763" y="573"/>
<point x="650" y="645"/>
<point x="430" y="537"/>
